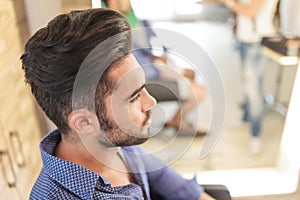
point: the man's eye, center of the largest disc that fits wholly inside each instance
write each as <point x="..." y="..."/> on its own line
<point x="135" y="98"/>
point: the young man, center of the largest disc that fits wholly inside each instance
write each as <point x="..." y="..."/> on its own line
<point x="84" y="77"/>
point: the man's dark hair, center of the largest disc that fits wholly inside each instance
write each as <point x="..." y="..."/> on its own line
<point x="54" y="55"/>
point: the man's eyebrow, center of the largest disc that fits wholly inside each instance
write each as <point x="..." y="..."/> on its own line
<point x="136" y="91"/>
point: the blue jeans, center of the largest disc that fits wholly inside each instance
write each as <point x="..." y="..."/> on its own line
<point x="252" y="71"/>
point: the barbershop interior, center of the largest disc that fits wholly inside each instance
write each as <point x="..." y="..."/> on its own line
<point x="219" y="146"/>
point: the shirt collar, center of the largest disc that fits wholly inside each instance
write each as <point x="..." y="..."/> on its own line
<point x="68" y="174"/>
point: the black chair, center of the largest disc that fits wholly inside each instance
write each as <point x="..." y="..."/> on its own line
<point x="163" y="90"/>
<point x="219" y="192"/>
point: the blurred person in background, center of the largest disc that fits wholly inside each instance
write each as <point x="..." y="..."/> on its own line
<point x="254" y="20"/>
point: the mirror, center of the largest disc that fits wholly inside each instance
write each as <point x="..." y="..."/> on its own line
<point x="232" y="150"/>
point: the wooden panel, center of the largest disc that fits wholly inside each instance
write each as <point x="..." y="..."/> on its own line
<point x="20" y="128"/>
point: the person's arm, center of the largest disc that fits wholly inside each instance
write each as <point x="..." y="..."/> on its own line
<point x="249" y="10"/>
<point x="171" y="186"/>
<point x="163" y="58"/>
<point x="168" y="184"/>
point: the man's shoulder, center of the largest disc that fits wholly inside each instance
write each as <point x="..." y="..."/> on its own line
<point x="44" y="188"/>
<point x="47" y="188"/>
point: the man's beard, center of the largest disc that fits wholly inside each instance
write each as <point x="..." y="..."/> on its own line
<point x="112" y="135"/>
<point x="119" y="137"/>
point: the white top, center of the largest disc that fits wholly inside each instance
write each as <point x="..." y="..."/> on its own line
<point x="252" y="30"/>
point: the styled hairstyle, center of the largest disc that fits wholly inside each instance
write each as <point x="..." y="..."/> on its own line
<point x="54" y="55"/>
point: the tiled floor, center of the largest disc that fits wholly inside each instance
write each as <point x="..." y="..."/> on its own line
<point x="231" y="151"/>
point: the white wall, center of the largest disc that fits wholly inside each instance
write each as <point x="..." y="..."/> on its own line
<point x="290" y="17"/>
<point x="39" y="12"/>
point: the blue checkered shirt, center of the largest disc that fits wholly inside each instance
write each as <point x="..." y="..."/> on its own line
<point x="60" y="179"/>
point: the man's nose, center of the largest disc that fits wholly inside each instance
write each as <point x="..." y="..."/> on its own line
<point x="148" y="101"/>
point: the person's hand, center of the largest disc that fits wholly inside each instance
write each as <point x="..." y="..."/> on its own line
<point x="189" y="73"/>
<point x="205" y="196"/>
<point x="163" y="58"/>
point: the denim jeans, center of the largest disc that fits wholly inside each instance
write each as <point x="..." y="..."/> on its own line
<point x="252" y="73"/>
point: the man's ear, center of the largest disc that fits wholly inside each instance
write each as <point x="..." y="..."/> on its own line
<point x="82" y="121"/>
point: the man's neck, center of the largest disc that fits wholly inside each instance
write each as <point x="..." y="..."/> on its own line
<point x="101" y="160"/>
